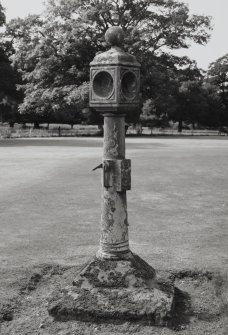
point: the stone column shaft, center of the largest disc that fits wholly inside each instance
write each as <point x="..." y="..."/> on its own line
<point x="114" y="242"/>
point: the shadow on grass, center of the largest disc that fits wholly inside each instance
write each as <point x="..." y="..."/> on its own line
<point x="206" y="301"/>
<point x="182" y="310"/>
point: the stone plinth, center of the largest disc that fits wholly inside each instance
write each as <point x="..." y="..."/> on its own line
<point x="125" y="289"/>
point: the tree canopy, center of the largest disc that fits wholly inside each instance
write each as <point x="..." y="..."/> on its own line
<point x="148" y="24"/>
<point x="52" y="51"/>
<point x="2" y="16"/>
<point x="218" y="76"/>
<point x="8" y="95"/>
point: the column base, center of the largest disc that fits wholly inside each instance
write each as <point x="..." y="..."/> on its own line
<point x="115" y="289"/>
<point x="118" y="251"/>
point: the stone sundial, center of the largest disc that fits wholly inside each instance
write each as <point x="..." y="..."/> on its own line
<point x="116" y="283"/>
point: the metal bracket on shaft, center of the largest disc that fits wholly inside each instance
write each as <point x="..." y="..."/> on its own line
<point x="100" y="166"/>
<point x="117" y="174"/>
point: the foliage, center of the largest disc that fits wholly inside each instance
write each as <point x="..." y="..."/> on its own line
<point x="163" y="82"/>
<point x="218" y="73"/>
<point x="150" y="117"/>
<point x="54" y="86"/>
<point x="192" y="102"/>
<point x="53" y="51"/>
<point x="218" y="76"/>
<point x="214" y="114"/>
<point x="2" y="16"/>
<point x="148" y="24"/>
<point x="198" y="103"/>
<point x="8" y="96"/>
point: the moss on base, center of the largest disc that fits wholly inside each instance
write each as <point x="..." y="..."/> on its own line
<point x="115" y="289"/>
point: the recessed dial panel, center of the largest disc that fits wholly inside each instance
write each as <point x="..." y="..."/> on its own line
<point x="129" y="85"/>
<point x="103" y="84"/>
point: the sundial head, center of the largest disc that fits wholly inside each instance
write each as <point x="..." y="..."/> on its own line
<point x="114" y="77"/>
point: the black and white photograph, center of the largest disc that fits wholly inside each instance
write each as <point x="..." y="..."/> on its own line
<point x="113" y="167"/>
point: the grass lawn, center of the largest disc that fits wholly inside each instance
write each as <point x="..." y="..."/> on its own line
<point x="50" y="204"/>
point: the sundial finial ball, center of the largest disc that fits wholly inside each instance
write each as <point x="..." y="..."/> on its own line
<point x="114" y="36"/>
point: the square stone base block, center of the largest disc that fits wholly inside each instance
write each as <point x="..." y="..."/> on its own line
<point x="115" y="289"/>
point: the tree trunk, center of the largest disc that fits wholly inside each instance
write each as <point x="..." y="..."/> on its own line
<point x="139" y="129"/>
<point x="101" y="129"/>
<point x="180" y="126"/>
<point x="72" y="126"/>
<point x="36" y="125"/>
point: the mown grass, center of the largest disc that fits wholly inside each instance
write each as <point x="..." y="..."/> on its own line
<point x="50" y="213"/>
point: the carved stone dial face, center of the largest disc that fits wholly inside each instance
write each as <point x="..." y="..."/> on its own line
<point x="129" y="85"/>
<point x="103" y="84"/>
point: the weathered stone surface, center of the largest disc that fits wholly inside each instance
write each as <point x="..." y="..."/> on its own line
<point x="115" y="289"/>
<point x="115" y="78"/>
<point x="117" y="174"/>
<point x="114" y="56"/>
<point x="126" y="273"/>
<point x="114" y="36"/>
<point x="103" y="303"/>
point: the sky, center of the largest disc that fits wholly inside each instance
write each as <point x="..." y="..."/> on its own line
<point x="204" y="55"/>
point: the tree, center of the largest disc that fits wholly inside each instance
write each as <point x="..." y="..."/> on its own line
<point x="192" y="103"/>
<point x="52" y="69"/>
<point x="162" y="82"/>
<point x="8" y="96"/>
<point x="53" y="51"/>
<point x="188" y="98"/>
<point x="2" y="16"/>
<point x="150" y="117"/>
<point x="213" y="115"/>
<point x="150" y="28"/>
<point x="92" y="117"/>
<point x="148" y="114"/>
<point x="149" y="24"/>
<point x="218" y="76"/>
